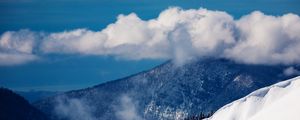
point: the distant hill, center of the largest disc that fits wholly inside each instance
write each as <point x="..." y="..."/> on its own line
<point x="166" y="92"/>
<point x="15" y="107"/>
<point x="33" y="96"/>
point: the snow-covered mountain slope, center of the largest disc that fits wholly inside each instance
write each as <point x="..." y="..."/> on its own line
<point x="280" y="101"/>
<point x="165" y="92"/>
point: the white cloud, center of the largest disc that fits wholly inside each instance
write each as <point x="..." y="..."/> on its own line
<point x="17" y="47"/>
<point x="127" y="109"/>
<point x="291" y="71"/>
<point x="181" y="35"/>
<point x="81" y="41"/>
<point x="73" y="109"/>
<point x="267" y="39"/>
<point x="15" y="59"/>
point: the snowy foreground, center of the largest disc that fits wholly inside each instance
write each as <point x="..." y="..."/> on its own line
<point x="280" y="101"/>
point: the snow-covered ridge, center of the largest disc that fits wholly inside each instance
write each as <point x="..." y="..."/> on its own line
<point x="280" y="101"/>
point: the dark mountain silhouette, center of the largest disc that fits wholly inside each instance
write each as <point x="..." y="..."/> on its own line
<point x="15" y="107"/>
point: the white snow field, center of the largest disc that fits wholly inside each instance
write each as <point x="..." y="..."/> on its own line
<point x="280" y="101"/>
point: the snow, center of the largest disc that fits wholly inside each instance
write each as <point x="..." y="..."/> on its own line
<point x="280" y="101"/>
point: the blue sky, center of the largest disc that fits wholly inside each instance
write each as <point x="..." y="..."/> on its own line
<point x="66" y="72"/>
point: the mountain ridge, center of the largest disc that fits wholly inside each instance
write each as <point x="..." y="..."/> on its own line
<point x="169" y="91"/>
<point x="15" y="107"/>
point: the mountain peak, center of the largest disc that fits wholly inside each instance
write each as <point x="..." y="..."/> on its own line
<point x="169" y="91"/>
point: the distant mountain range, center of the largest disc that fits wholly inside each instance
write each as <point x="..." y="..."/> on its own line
<point x="33" y="96"/>
<point x="276" y="102"/>
<point x="15" y="107"/>
<point x="165" y="92"/>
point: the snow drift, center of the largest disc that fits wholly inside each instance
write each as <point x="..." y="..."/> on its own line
<point x="280" y="101"/>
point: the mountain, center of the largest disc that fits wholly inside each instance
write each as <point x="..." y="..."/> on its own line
<point x="280" y="101"/>
<point x="33" y="96"/>
<point x="165" y="92"/>
<point x="15" y="107"/>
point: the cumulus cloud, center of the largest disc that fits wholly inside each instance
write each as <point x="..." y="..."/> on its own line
<point x="17" y="47"/>
<point x="177" y="34"/>
<point x="267" y="39"/>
